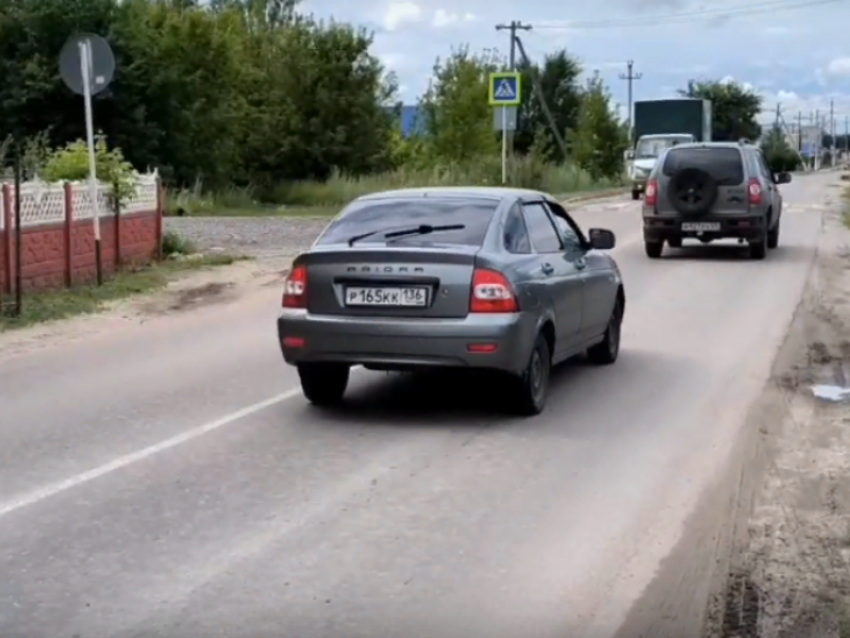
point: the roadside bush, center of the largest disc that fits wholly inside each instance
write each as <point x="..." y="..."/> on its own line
<point x="174" y="245"/>
<point x="71" y="163"/>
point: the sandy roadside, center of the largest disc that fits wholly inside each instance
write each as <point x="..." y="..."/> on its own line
<point x="789" y="562"/>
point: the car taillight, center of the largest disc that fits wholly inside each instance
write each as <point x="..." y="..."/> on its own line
<point x="650" y="196"/>
<point x="491" y="292"/>
<point x="754" y="192"/>
<point x="295" y="288"/>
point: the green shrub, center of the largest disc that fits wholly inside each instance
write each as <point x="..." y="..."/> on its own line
<point x="71" y="163"/>
<point x="174" y="244"/>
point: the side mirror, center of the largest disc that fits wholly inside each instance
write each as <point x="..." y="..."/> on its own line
<point x="602" y="239"/>
<point x="629" y="154"/>
<point x="783" y="178"/>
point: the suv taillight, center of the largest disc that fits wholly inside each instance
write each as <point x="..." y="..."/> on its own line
<point x="295" y="288"/>
<point x="754" y="192"/>
<point x="491" y="292"/>
<point x="650" y="197"/>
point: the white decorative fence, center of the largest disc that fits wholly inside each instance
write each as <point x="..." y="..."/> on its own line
<point x="44" y="203"/>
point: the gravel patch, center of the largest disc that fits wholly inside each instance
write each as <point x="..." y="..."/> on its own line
<point x="282" y="238"/>
<point x="260" y="237"/>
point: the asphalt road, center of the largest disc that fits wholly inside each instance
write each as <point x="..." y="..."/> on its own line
<point x="171" y="480"/>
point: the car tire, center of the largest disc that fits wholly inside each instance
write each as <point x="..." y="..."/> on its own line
<point x="533" y="384"/>
<point x="606" y="352"/>
<point x="653" y="248"/>
<point x="675" y="242"/>
<point x="773" y="238"/>
<point x="635" y="195"/>
<point x="323" y="384"/>
<point x="758" y="248"/>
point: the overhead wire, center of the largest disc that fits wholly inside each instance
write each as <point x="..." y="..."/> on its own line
<point x="678" y="18"/>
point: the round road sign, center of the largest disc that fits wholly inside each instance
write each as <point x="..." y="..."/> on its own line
<point x="102" y="63"/>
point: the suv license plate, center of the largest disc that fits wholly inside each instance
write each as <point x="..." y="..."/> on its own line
<point x="700" y="226"/>
<point x="415" y="297"/>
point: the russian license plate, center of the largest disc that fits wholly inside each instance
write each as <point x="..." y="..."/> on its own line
<point x="405" y="297"/>
<point x="700" y="226"/>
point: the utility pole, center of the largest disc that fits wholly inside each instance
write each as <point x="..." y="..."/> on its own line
<point x="630" y="77"/>
<point x="513" y="27"/>
<point x="831" y="132"/>
<point x="800" y="131"/>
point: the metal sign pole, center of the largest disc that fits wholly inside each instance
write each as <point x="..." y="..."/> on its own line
<point x="504" y="145"/>
<point x="85" y="67"/>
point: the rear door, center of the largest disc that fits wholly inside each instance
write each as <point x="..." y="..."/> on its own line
<point x="561" y="273"/>
<point x="725" y="166"/>
<point x="412" y="275"/>
<point x="771" y="190"/>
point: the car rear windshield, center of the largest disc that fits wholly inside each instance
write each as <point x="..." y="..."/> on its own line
<point x="725" y="165"/>
<point x="401" y="214"/>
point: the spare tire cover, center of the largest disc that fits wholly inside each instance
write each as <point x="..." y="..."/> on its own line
<point x="692" y="191"/>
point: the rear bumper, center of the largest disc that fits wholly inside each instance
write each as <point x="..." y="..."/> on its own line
<point x="639" y="184"/>
<point x="407" y="344"/>
<point x="660" y="228"/>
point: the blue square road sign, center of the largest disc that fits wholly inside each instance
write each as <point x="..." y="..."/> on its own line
<point x="505" y="89"/>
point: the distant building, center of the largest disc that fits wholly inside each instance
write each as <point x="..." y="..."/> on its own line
<point x="411" y="122"/>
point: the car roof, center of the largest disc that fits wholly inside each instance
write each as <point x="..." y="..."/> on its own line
<point x="654" y="135"/>
<point x="493" y="193"/>
<point x="709" y="145"/>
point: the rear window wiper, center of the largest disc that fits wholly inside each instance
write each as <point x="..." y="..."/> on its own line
<point x="423" y="229"/>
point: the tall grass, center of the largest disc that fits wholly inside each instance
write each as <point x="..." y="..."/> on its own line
<point x="340" y="189"/>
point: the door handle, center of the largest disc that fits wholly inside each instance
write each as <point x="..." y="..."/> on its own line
<point x="547" y="269"/>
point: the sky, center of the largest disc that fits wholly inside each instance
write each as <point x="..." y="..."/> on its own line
<point x="794" y="52"/>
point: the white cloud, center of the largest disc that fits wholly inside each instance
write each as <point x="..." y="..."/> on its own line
<point x="839" y="66"/>
<point x="398" y="13"/>
<point x="444" y="18"/>
<point x="392" y="60"/>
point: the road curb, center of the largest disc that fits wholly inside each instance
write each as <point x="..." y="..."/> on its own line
<point x="596" y="195"/>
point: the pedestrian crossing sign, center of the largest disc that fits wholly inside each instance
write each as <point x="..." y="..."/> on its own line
<point x="505" y="89"/>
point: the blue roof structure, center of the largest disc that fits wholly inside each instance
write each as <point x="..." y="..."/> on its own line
<point x="411" y="122"/>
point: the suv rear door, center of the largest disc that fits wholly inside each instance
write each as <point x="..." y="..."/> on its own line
<point x="770" y="189"/>
<point x="725" y="165"/>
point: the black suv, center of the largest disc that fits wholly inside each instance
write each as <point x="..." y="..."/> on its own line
<point x="712" y="190"/>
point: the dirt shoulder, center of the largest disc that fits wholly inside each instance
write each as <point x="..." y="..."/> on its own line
<point x="789" y="565"/>
<point x="189" y="291"/>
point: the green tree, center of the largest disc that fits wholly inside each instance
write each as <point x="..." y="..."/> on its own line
<point x="778" y="152"/>
<point x="735" y="109"/>
<point x="562" y="92"/>
<point x="599" y="139"/>
<point x="457" y="117"/>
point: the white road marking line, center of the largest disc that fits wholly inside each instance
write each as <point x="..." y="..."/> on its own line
<point x="140" y="455"/>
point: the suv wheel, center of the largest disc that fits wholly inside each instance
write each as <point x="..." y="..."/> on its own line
<point x="653" y="248"/>
<point x="635" y="194"/>
<point x="323" y="383"/>
<point x="758" y="248"/>
<point x="773" y="237"/>
<point x="533" y="386"/>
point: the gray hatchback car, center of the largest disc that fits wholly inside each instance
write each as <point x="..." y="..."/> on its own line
<point x="467" y="278"/>
<point x="710" y="191"/>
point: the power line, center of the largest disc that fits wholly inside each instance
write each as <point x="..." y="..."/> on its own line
<point x="730" y="12"/>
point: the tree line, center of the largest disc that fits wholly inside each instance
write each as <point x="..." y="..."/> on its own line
<point x="239" y="92"/>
